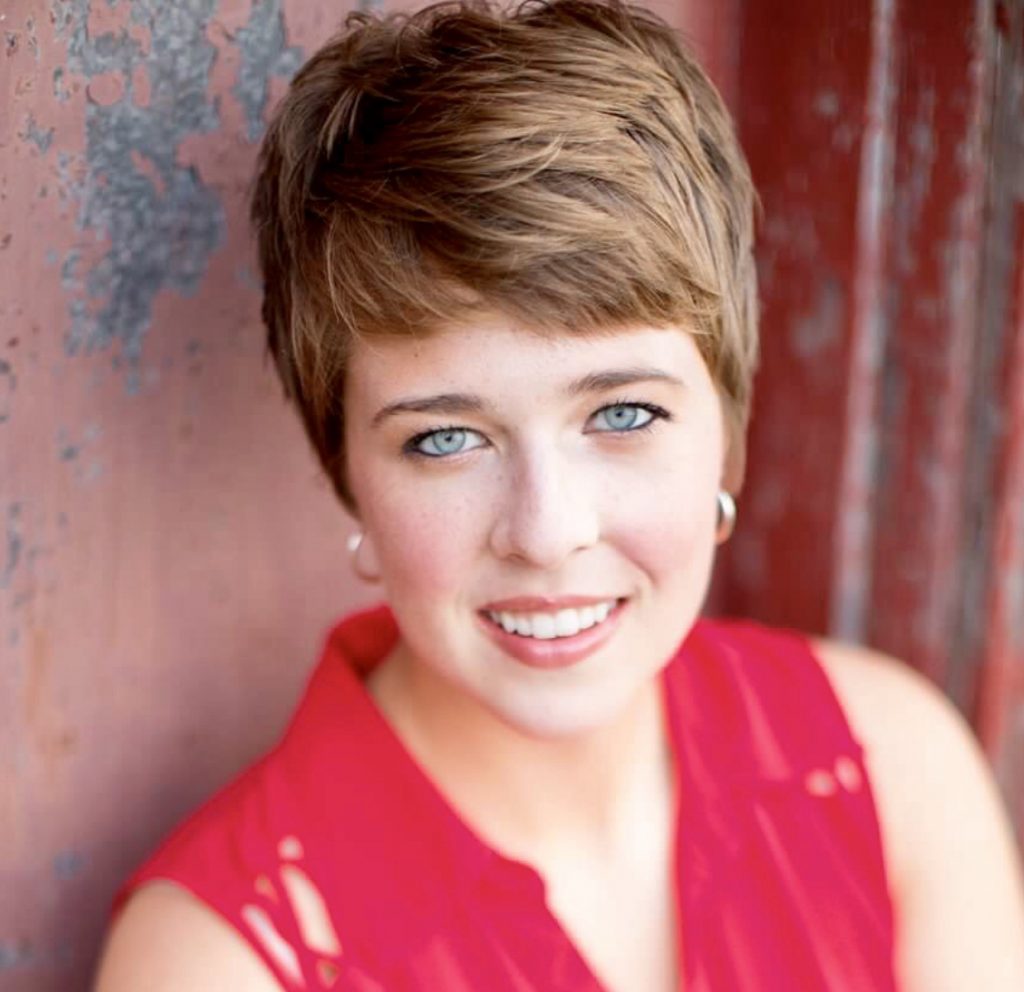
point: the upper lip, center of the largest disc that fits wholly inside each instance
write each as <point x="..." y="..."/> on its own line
<point x="544" y="604"/>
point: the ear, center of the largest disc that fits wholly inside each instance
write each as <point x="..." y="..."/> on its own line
<point x="734" y="457"/>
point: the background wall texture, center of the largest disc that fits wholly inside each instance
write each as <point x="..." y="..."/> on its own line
<point x="170" y="556"/>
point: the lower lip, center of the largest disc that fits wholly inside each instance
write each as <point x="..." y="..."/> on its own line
<point x="557" y="652"/>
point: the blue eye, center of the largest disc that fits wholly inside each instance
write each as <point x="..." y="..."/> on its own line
<point x="626" y="417"/>
<point x="443" y="442"/>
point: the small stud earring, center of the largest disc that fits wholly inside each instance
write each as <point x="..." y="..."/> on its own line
<point x="726" y="517"/>
<point x="355" y="543"/>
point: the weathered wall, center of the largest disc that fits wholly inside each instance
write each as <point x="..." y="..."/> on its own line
<point x="168" y="554"/>
<point x="885" y="495"/>
<point x="168" y="557"/>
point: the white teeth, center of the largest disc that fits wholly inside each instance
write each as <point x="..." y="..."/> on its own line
<point x="567" y="623"/>
<point x="543" y="626"/>
<point x="547" y="626"/>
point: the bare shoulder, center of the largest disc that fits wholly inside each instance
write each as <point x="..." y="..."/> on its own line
<point x="166" y="940"/>
<point x="899" y="716"/>
<point x="951" y="855"/>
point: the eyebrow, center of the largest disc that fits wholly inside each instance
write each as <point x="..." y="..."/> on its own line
<point x="593" y="382"/>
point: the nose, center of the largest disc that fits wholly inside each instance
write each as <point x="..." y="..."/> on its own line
<point x="549" y="510"/>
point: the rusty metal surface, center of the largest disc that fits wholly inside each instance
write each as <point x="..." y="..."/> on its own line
<point x="885" y="493"/>
<point x="941" y="122"/>
<point x="168" y="558"/>
<point x="997" y="648"/>
<point x="168" y="555"/>
<point x="805" y="143"/>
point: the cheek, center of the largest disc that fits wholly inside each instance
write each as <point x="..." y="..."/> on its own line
<point x="668" y="524"/>
<point x="424" y="546"/>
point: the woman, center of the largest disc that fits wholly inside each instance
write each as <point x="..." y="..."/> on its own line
<point x="508" y="283"/>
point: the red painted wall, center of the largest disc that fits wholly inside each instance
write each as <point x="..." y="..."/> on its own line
<point x="885" y="497"/>
<point x="169" y="556"/>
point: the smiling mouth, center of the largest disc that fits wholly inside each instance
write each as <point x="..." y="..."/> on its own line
<point x="552" y="625"/>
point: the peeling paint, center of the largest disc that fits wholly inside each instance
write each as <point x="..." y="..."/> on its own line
<point x="261" y="42"/>
<point x="20" y="953"/>
<point x="13" y="544"/>
<point x="31" y="38"/>
<point x="68" y="864"/>
<point x="826" y="103"/>
<point x="8" y="382"/>
<point x="823" y="326"/>
<point x="161" y="234"/>
<point x="76" y="453"/>
<point x="35" y="134"/>
<point x="15" y="954"/>
<point x="147" y="80"/>
<point x="60" y="90"/>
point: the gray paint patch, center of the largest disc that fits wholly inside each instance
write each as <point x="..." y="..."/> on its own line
<point x="7" y="385"/>
<point x="162" y="221"/>
<point x="822" y="327"/>
<point x="79" y="455"/>
<point x="21" y="954"/>
<point x="13" y="544"/>
<point x="159" y="239"/>
<point x="33" y="40"/>
<point x="261" y="43"/>
<point x="60" y="90"/>
<point x="15" y="954"/>
<point x="68" y="864"/>
<point x="34" y="133"/>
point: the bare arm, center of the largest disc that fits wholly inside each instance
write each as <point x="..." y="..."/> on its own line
<point x="166" y="940"/>
<point x="953" y="863"/>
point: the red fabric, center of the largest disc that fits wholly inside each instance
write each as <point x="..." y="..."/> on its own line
<point x="781" y="883"/>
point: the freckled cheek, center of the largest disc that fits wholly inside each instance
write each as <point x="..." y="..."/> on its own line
<point x="427" y="546"/>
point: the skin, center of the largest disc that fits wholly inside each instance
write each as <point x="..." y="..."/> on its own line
<point x="545" y="498"/>
<point x="570" y="770"/>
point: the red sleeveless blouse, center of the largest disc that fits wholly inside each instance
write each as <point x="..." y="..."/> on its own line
<point x="780" y="877"/>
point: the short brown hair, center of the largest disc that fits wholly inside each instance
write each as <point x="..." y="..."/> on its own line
<point x="565" y="162"/>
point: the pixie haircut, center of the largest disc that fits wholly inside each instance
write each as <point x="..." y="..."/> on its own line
<point x="565" y="163"/>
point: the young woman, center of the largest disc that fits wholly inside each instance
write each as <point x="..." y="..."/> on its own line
<point x="508" y="283"/>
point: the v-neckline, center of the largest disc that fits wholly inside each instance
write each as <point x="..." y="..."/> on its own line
<point x="528" y="879"/>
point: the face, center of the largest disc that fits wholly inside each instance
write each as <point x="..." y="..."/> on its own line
<point x="542" y="510"/>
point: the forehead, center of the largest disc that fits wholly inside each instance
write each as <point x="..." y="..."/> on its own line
<point x="496" y="356"/>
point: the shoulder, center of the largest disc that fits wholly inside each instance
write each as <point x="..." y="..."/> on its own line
<point x="951" y="856"/>
<point x="166" y="940"/>
<point x="919" y="750"/>
<point x="918" y="747"/>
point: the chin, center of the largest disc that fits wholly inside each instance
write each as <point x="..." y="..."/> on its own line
<point x="564" y="713"/>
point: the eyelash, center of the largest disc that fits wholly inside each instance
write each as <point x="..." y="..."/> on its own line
<point x="657" y="413"/>
<point x="410" y="447"/>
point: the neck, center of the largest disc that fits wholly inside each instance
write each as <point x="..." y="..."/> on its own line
<point x="595" y="792"/>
